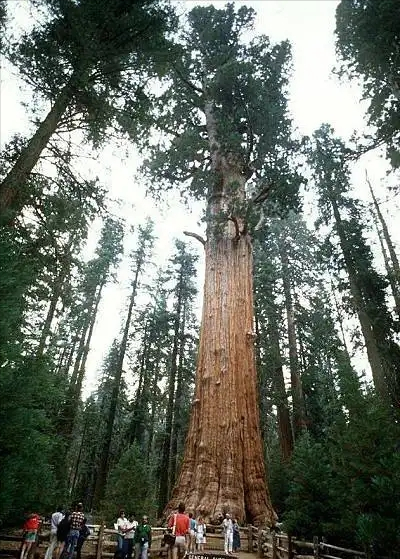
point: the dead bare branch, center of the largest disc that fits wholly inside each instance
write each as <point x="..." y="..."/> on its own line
<point x="195" y="236"/>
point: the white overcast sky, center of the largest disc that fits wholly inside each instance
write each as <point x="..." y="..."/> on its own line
<point x="316" y="96"/>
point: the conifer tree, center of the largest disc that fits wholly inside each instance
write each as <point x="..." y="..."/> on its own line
<point x="90" y="60"/>
<point x="216" y="141"/>
<point x="368" y="44"/>
<point x="330" y="163"/>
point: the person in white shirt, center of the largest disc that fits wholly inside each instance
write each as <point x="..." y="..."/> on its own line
<point x="56" y="518"/>
<point x="129" y="534"/>
<point x="122" y="523"/>
<point x="200" y="534"/>
<point x="227" y="526"/>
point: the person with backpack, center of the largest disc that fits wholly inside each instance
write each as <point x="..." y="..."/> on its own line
<point x="142" y="538"/>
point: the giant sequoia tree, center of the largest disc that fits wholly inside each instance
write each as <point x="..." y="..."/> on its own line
<point x="225" y="119"/>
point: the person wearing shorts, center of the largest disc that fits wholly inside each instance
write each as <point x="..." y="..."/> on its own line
<point x="31" y="528"/>
<point x="180" y="524"/>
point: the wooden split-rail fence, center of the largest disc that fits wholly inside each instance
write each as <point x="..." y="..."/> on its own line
<point x="265" y="544"/>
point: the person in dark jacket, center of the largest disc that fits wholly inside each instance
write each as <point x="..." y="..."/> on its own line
<point x="84" y="533"/>
<point x="62" y="533"/>
<point x="142" y="539"/>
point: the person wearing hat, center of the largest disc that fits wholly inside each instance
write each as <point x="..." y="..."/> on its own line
<point x="227" y="526"/>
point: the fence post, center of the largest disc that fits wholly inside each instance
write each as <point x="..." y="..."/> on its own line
<point x="99" y="550"/>
<point x="290" y="547"/>
<point x="260" y="552"/>
<point x="316" y="546"/>
<point x="274" y="550"/>
<point x="249" y="538"/>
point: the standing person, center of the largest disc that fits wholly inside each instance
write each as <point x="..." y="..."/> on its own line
<point x="227" y="526"/>
<point x="192" y="533"/>
<point x="236" y="536"/>
<point x="122" y="523"/>
<point x="56" y="518"/>
<point x="31" y="527"/>
<point x="200" y="534"/>
<point x="62" y="533"/>
<point x="180" y="524"/>
<point x="76" y="521"/>
<point x="129" y="536"/>
<point x="84" y="533"/>
<point x="142" y="538"/>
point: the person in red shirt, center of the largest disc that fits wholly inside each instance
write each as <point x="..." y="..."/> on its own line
<point x="180" y="524"/>
<point x="31" y="528"/>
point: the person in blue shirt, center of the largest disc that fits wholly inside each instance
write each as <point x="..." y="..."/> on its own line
<point x="192" y="533"/>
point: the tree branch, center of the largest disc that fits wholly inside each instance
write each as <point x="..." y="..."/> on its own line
<point x="263" y="195"/>
<point x="236" y="224"/>
<point x="188" y="82"/>
<point x="195" y="236"/>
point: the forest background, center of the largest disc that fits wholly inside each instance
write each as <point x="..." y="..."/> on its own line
<point x="75" y="244"/>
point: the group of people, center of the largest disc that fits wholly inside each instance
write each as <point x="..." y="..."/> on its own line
<point x="187" y="532"/>
<point x="231" y="534"/>
<point x="132" y="537"/>
<point x="190" y="534"/>
<point x="68" y="532"/>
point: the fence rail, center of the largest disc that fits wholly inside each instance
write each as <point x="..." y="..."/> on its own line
<point x="266" y="544"/>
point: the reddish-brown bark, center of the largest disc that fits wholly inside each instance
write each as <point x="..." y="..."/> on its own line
<point x="223" y="467"/>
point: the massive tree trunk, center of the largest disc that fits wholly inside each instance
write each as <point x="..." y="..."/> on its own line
<point x="223" y="465"/>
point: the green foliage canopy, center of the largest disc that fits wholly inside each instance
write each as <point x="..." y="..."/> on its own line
<point x="368" y="43"/>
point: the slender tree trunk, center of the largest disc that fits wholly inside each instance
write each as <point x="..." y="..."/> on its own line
<point x="153" y="408"/>
<point x="177" y="427"/>
<point x="280" y="396"/>
<point x="262" y="380"/>
<point x="392" y="263"/>
<point x="104" y="457"/>
<point x="166" y="448"/>
<point x="82" y="366"/>
<point x="76" y="380"/>
<point x="299" y="413"/>
<point x="374" y="356"/>
<point x="57" y="291"/>
<point x="13" y="189"/>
